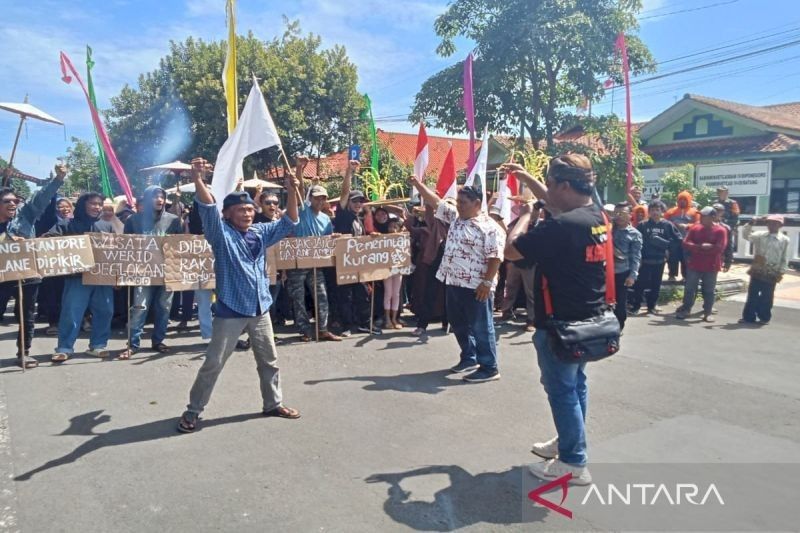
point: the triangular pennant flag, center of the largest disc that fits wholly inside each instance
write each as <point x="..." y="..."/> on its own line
<point x="478" y="170"/>
<point x="446" y="184"/>
<point x="421" y="159"/>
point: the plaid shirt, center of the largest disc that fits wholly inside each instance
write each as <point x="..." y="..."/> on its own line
<point x="241" y="279"/>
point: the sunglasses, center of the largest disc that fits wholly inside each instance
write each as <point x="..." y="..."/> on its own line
<point x="11" y="201"/>
<point x="269" y="202"/>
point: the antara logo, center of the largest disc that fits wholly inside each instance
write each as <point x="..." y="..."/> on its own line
<point x="646" y="494"/>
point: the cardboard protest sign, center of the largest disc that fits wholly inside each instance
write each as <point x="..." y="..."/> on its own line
<point x="123" y="260"/>
<point x="362" y="259"/>
<point x="272" y="271"/>
<point x="285" y="257"/>
<point x="188" y="263"/>
<point x="316" y="252"/>
<point x="61" y="256"/>
<point x="17" y="261"/>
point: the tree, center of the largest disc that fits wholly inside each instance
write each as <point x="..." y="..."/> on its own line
<point x="606" y="147"/>
<point x="682" y="179"/>
<point x="84" y="168"/>
<point x="19" y="186"/>
<point x="534" y="58"/>
<point x="178" y="110"/>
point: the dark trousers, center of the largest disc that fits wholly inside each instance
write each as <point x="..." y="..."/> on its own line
<point x="354" y="303"/>
<point x="10" y="289"/>
<point x="433" y="290"/>
<point x="677" y="258"/>
<point x="50" y="299"/>
<point x="649" y="280"/>
<point x="760" y="297"/>
<point x="621" y="309"/>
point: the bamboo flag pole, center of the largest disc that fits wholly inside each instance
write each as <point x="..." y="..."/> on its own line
<point x="371" y="306"/>
<point x="316" y="306"/>
<point x="21" y="306"/>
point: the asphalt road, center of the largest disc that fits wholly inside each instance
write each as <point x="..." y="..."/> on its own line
<point x="388" y="439"/>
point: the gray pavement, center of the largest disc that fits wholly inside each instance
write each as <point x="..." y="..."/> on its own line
<point x="388" y="440"/>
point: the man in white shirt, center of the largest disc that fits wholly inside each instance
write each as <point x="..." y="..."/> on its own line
<point x="770" y="261"/>
<point x="472" y="255"/>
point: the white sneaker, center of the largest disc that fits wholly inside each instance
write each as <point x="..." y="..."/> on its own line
<point x="102" y="354"/>
<point x="553" y="469"/>
<point x="547" y="449"/>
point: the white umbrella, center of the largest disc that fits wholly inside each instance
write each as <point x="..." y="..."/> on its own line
<point x="24" y="110"/>
<point x="175" y="166"/>
<point x="255" y="182"/>
<point x="186" y="187"/>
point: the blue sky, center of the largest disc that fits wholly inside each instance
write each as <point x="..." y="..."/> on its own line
<point x="392" y="43"/>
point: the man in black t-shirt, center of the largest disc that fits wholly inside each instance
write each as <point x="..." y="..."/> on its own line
<point x="353" y="299"/>
<point x="568" y="248"/>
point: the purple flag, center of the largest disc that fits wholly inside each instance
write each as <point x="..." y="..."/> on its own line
<point x="469" y="108"/>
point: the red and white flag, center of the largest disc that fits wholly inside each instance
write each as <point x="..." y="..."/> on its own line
<point x="507" y="190"/>
<point x="421" y="161"/>
<point x="446" y="184"/>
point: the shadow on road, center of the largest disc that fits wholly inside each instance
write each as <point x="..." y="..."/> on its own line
<point x="487" y="498"/>
<point x="432" y="382"/>
<point x="86" y="423"/>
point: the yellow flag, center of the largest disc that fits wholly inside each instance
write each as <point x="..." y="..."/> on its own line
<point x="229" y="71"/>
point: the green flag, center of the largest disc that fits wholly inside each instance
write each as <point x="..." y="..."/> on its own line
<point x="101" y="155"/>
<point x="374" y="159"/>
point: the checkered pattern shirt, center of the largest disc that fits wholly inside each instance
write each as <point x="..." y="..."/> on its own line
<point x="241" y="279"/>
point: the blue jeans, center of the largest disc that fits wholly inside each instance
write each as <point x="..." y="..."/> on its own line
<point x="203" y="299"/>
<point x="565" y="385"/>
<point x="472" y="323"/>
<point x="143" y="298"/>
<point x="76" y="298"/>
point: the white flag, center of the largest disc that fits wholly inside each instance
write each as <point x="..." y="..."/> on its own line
<point x="479" y="169"/>
<point x="254" y="131"/>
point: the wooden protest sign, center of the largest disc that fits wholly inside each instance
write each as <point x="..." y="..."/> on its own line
<point x="123" y="260"/>
<point x="17" y="261"/>
<point x="362" y="259"/>
<point x="188" y="263"/>
<point x="61" y="256"/>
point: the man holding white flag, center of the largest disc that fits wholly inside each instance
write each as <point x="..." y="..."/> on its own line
<point x="255" y="131"/>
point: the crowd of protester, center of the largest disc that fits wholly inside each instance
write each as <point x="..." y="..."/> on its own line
<point x="472" y="267"/>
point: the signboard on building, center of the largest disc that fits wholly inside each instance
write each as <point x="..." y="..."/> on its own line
<point x="652" y="181"/>
<point x="746" y="178"/>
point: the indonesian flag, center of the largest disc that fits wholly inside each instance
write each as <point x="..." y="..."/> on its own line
<point x="421" y="161"/>
<point x="507" y="190"/>
<point x="446" y="184"/>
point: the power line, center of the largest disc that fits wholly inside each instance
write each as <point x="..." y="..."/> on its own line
<point x="734" y="45"/>
<point x="709" y="6"/>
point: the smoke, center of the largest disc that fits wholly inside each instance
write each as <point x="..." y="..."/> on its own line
<point x="176" y="135"/>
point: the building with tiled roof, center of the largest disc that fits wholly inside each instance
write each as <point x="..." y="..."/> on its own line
<point x="753" y="150"/>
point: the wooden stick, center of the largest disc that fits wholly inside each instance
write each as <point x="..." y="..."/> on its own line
<point x="21" y="306"/>
<point x="316" y="305"/>
<point x="371" y="305"/>
<point x="7" y="173"/>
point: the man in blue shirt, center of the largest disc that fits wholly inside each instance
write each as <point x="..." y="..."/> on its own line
<point x="243" y="297"/>
<point x="313" y="223"/>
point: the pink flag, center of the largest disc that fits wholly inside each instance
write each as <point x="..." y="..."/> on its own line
<point x="421" y="160"/>
<point x="469" y="108"/>
<point x="622" y="50"/>
<point x="66" y="64"/>
<point x="446" y="184"/>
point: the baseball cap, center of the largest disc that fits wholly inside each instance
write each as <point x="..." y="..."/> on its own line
<point x="318" y="190"/>
<point x="354" y="195"/>
<point x="722" y="188"/>
<point x="237" y="198"/>
<point x="708" y="211"/>
<point x="775" y="218"/>
<point x="718" y="206"/>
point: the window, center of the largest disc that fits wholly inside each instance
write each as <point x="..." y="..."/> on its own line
<point x="785" y="196"/>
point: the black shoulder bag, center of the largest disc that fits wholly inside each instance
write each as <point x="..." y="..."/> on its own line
<point x="591" y="339"/>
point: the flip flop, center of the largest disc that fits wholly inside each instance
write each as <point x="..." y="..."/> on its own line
<point x="59" y="357"/>
<point x="283" y="412"/>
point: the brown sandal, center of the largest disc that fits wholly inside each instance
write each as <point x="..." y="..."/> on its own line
<point x="59" y="357"/>
<point x="283" y="412"/>
<point x="29" y="363"/>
